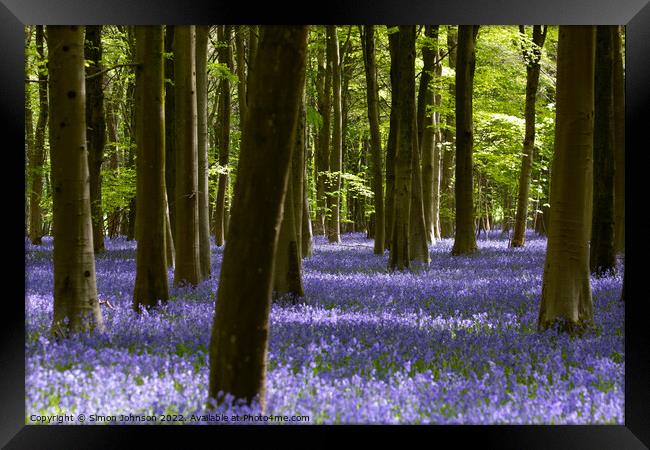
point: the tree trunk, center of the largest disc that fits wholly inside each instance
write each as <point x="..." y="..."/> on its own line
<point x="151" y="230"/>
<point x="437" y="157"/>
<point x="464" y="241"/>
<point x="372" y="95"/>
<point x="446" y="189"/>
<point x="323" y="87"/>
<point x="96" y="131"/>
<point x="399" y="249"/>
<point x="391" y="146"/>
<point x="202" y="135"/>
<point x="35" y="213"/>
<point x="566" y="293"/>
<point x="297" y="171"/>
<point x="531" y="58"/>
<point x="225" y="57"/>
<point x="170" y="128"/>
<point x="336" y="153"/>
<point x="29" y="143"/>
<point x="418" y="250"/>
<point x="619" y="143"/>
<point x="76" y="307"/>
<point x="602" y="250"/>
<point x="307" y="246"/>
<point x="187" y="202"/>
<point x="130" y="136"/>
<point x="425" y="122"/>
<point x="241" y="74"/>
<point x="241" y="321"/>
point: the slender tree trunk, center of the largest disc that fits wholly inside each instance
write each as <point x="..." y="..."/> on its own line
<point x="602" y="250"/>
<point x="35" y="213"/>
<point x="241" y="321"/>
<point x="566" y="293"/>
<point x="426" y="131"/>
<point x="225" y="57"/>
<point x="464" y="241"/>
<point x="151" y="230"/>
<point x="399" y="250"/>
<point x="437" y="157"/>
<point x="130" y="136"/>
<point x="531" y="58"/>
<point x="241" y="74"/>
<point x="391" y="146"/>
<point x="619" y="143"/>
<point x="448" y="149"/>
<point x="323" y="149"/>
<point x="418" y="250"/>
<point x="307" y="241"/>
<point x="113" y="162"/>
<point x="170" y="127"/>
<point x="76" y="307"/>
<point x="202" y="134"/>
<point x="170" y="252"/>
<point x="297" y="170"/>
<point x="29" y="139"/>
<point x="336" y="153"/>
<point x="96" y="132"/>
<point x="372" y="95"/>
<point x="188" y="264"/>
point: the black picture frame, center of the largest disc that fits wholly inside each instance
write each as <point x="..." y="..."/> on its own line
<point x="635" y="14"/>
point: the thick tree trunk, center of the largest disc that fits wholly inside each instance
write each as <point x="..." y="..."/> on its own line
<point x="372" y="95"/>
<point x="531" y="58"/>
<point x="96" y="132"/>
<point x="464" y="241"/>
<point x="241" y="74"/>
<point x="225" y="57"/>
<point x="151" y="230"/>
<point x="202" y="135"/>
<point x="566" y="293"/>
<point x="619" y="143"/>
<point x="336" y="153"/>
<point x="241" y="322"/>
<point x="399" y="250"/>
<point x="188" y="263"/>
<point x="76" y="306"/>
<point x="391" y="146"/>
<point x="170" y="128"/>
<point x="447" y="201"/>
<point x="602" y="250"/>
<point x="297" y="170"/>
<point x="426" y="132"/>
<point x="38" y="159"/>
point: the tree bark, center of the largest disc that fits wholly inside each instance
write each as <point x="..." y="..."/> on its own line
<point x="241" y="74"/>
<point x="188" y="264"/>
<point x="418" y="250"/>
<point x="464" y="241"/>
<point x="240" y="331"/>
<point x="426" y="131"/>
<point x="336" y="153"/>
<point x="399" y="250"/>
<point x="391" y="146"/>
<point x="448" y="150"/>
<point x="619" y="143"/>
<point x="170" y="128"/>
<point x="324" y="87"/>
<point x="151" y="230"/>
<point x="202" y="135"/>
<point x="38" y="156"/>
<point x="76" y="307"/>
<point x="225" y="57"/>
<point x="566" y="293"/>
<point x="531" y="58"/>
<point x="372" y="95"/>
<point x="602" y="258"/>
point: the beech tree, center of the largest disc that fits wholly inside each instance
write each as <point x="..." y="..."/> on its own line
<point x="566" y="292"/>
<point x="532" y="58"/>
<point x="619" y="141"/>
<point x="188" y="265"/>
<point x="37" y="155"/>
<point x="76" y="306"/>
<point x="225" y="57"/>
<point x="240" y="329"/>
<point x="372" y="96"/>
<point x="464" y="241"/>
<point x="202" y="142"/>
<point x="151" y="230"/>
<point x="336" y="152"/>
<point x="602" y="258"/>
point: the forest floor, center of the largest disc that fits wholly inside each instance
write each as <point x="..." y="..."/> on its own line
<point x="453" y="344"/>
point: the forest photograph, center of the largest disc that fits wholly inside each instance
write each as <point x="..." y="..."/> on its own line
<point x="324" y="224"/>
